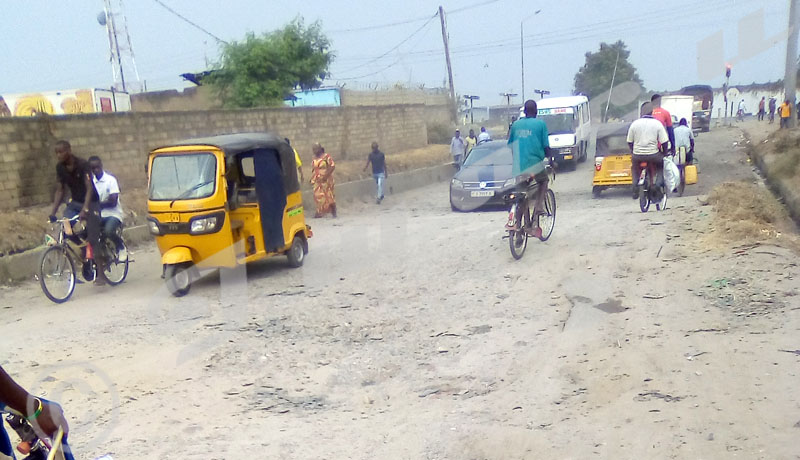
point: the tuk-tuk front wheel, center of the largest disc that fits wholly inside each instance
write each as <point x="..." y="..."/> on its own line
<point x="179" y="279"/>
<point x="297" y="252"/>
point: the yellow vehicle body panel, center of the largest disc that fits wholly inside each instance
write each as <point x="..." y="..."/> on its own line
<point x="239" y="239"/>
<point x="177" y="255"/>
<point x="614" y="170"/>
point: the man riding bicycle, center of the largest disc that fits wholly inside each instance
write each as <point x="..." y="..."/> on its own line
<point x="74" y="173"/>
<point x="647" y="139"/>
<point x="530" y="145"/>
<point x="110" y="207"/>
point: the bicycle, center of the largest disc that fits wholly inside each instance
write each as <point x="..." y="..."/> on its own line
<point x="649" y="192"/>
<point x="57" y="265"/>
<point x="34" y="447"/>
<point x="520" y="213"/>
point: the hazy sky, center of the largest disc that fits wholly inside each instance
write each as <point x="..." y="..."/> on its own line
<point x="52" y="45"/>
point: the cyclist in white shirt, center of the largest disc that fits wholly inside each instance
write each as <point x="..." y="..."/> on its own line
<point x="110" y="208"/>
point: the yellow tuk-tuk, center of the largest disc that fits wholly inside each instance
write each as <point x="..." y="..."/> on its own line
<point x="223" y="201"/>
<point x="612" y="158"/>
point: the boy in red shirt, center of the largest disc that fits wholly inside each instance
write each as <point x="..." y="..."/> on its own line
<point x="665" y="118"/>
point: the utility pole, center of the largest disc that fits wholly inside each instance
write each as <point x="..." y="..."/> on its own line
<point x="447" y="58"/>
<point x="790" y="79"/>
<point x="541" y="93"/>
<point x="470" y="99"/>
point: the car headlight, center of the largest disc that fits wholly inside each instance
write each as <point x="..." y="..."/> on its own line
<point x="510" y="183"/>
<point x="152" y="224"/>
<point x="457" y="184"/>
<point x="207" y="224"/>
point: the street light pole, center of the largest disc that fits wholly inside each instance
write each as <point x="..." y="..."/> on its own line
<point x="522" y="50"/>
<point x="471" y="111"/>
<point x="522" y="57"/>
<point x="508" y="97"/>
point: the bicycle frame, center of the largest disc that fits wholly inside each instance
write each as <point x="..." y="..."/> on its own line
<point x="64" y="231"/>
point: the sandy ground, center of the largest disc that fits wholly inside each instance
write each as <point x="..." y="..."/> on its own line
<point x="411" y="333"/>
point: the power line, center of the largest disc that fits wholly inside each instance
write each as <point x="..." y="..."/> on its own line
<point x="190" y="22"/>
<point x="407" y="21"/>
<point x="379" y="26"/>
<point x="474" y="5"/>
<point x="394" y="47"/>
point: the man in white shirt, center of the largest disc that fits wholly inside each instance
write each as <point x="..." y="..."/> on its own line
<point x="484" y="136"/>
<point x="457" y="148"/>
<point x="684" y="137"/>
<point x="647" y="139"/>
<point x="110" y="208"/>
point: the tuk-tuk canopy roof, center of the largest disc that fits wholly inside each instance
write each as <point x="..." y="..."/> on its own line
<point x="613" y="129"/>
<point x="234" y="144"/>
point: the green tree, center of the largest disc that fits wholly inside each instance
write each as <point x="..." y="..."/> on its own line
<point x="594" y="78"/>
<point x="263" y="70"/>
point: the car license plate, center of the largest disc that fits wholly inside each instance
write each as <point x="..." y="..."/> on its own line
<point x="482" y="193"/>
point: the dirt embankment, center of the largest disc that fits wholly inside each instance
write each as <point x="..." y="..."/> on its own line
<point x="778" y="158"/>
<point x="25" y="229"/>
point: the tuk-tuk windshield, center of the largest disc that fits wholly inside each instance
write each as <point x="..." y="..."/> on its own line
<point x="183" y="177"/>
<point x="559" y="123"/>
<point x="613" y="145"/>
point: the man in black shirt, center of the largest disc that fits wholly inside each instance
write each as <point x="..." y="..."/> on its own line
<point x="76" y="174"/>
<point x="379" y="171"/>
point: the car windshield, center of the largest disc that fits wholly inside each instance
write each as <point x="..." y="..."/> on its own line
<point x="184" y="176"/>
<point x="559" y="123"/>
<point x="498" y="155"/>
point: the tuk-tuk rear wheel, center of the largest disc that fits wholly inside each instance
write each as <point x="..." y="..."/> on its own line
<point x="297" y="252"/>
<point x="596" y="191"/>
<point x="179" y="279"/>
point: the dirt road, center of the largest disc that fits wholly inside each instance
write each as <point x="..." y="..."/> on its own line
<point x="411" y="333"/>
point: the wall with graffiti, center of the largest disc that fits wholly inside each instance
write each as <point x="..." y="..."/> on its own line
<point x="63" y="103"/>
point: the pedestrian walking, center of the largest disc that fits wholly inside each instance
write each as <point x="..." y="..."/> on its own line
<point x="785" y="111"/>
<point x="762" y="108"/>
<point x="322" y="179"/>
<point x="379" y="171"/>
<point x="457" y="148"/>
<point x="471" y="141"/>
<point x="773" y="103"/>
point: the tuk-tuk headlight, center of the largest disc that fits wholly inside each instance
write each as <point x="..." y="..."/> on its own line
<point x="206" y="224"/>
<point x="152" y="224"/>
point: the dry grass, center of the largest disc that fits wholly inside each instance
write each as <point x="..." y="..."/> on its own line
<point x="747" y="213"/>
<point x="352" y="169"/>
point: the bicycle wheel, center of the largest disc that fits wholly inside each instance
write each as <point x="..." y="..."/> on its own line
<point x="518" y="239"/>
<point x="644" y="193"/>
<point x="57" y="274"/>
<point x="547" y="221"/>
<point x="662" y="203"/>
<point x="116" y="269"/>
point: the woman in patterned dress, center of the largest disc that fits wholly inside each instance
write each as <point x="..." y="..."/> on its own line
<point x="322" y="179"/>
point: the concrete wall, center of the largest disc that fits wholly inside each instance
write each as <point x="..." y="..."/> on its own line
<point x="751" y="100"/>
<point x="27" y="161"/>
<point x="194" y="98"/>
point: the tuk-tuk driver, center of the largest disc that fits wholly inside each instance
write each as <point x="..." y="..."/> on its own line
<point x="530" y="145"/>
